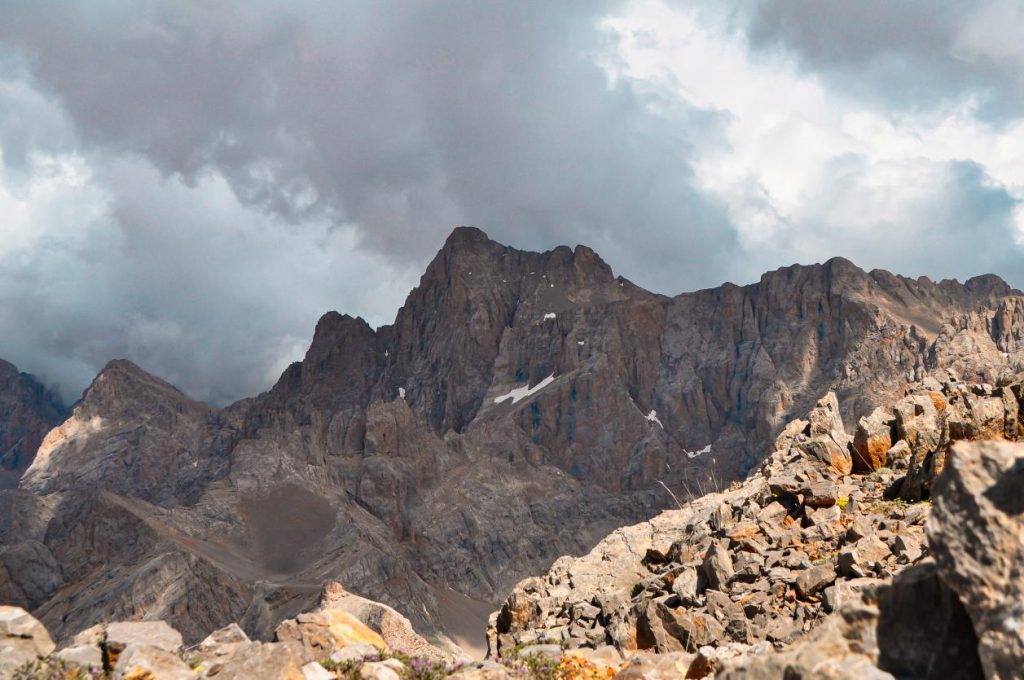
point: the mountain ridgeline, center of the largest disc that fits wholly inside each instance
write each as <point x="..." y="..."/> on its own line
<point x="521" y="406"/>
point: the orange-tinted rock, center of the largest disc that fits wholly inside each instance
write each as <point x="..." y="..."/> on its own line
<point x="871" y="441"/>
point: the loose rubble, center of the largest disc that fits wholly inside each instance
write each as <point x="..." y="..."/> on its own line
<point x="763" y="564"/>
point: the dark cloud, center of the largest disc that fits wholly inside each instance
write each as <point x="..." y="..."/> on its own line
<point x="394" y="120"/>
<point x="402" y="118"/>
<point x="912" y="54"/>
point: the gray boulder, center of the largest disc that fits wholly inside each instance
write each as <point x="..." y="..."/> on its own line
<point x="976" y="533"/>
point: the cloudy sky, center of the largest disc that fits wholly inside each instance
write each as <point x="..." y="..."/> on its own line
<point x="191" y="183"/>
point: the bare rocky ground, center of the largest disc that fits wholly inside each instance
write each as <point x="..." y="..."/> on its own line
<point x="894" y="552"/>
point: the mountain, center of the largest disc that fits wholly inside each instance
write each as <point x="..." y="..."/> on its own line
<point x="521" y="406"/>
<point x="27" y="412"/>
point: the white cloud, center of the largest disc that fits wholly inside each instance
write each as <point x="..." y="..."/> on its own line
<point x="808" y="164"/>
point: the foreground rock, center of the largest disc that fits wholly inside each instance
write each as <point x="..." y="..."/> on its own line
<point x="22" y="639"/>
<point x="977" y="530"/>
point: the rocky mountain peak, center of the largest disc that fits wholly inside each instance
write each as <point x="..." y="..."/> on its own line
<point x="123" y="387"/>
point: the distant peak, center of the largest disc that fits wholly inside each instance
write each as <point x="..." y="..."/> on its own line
<point x="989" y="283"/>
<point x="332" y="327"/>
<point x="466" y="236"/>
<point x="122" y="367"/>
<point x="122" y="379"/>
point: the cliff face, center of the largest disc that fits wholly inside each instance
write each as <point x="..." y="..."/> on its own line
<point x="521" y="406"/>
<point x="27" y="411"/>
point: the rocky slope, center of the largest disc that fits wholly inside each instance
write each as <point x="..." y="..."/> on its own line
<point x="27" y="412"/>
<point x="521" y="406"/>
<point x="807" y="569"/>
<point x="829" y="567"/>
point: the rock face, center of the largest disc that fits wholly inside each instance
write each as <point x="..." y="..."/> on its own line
<point x="27" y="412"/>
<point x="521" y="406"/>
<point x="977" y="528"/>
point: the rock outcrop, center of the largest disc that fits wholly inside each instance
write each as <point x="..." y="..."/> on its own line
<point x="977" y="528"/>
<point x="758" y="582"/>
<point x="27" y="412"/>
<point x="521" y="406"/>
<point x="764" y="561"/>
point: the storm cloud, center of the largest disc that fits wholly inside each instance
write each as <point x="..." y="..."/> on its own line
<point x="191" y="184"/>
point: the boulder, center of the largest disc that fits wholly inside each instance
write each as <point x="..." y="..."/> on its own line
<point x="832" y="456"/>
<point x="825" y="418"/>
<point x="22" y="639"/>
<point x="219" y="648"/>
<point x="394" y="629"/>
<point x="146" y="662"/>
<point x="315" y="671"/>
<point x="317" y="635"/>
<point x="118" y="636"/>
<point x="264" y="660"/>
<point x="861" y="558"/>
<point x="927" y="438"/>
<point x="842" y="648"/>
<point x="923" y="630"/>
<point x="718" y="568"/>
<point x="814" y="580"/>
<point x="976" y="534"/>
<point x="978" y="417"/>
<point x="872" y="440"/>
<point x="88" y="656"/>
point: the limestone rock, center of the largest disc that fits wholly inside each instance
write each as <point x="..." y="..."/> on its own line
<point x="718" y="568"/>
<point x="976" y="533"/>
<point x="264" y="660"/>
<point x="157" y="635"/>
<point x="22" y="638"/>
<point x="87" y="656"/>
<point x="923" y="630"/>
<point x="872" y="441"/>
<point x="146" y="662"/>
<point x="318" y="634"/>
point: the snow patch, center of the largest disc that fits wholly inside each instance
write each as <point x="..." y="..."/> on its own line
<point x="401" y="393"/>
<point x="694" y="454"/>
<point x="580" y="343"/>
<point x="520" y="393"/>
<point x="549" y="315"/>
<point x="652" y="417"/>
